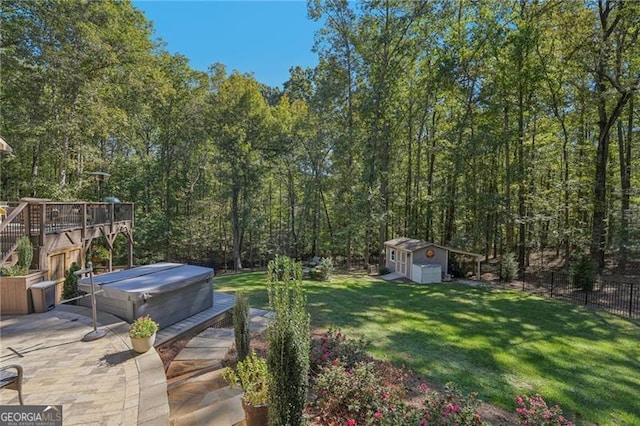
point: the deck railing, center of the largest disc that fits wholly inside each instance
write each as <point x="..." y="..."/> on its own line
<point x="33" y="217"/>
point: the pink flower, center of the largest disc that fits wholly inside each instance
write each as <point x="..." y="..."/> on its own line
<point x="424" y="422"/>
<point x="335" y="363"/>
<point x="325" y="356"/>
<point x="377" y="415"/>
<point x="519" y="400"/>
<point x="351" y="422"/>
<point x="423" y="387"/>
<point x="385" y="395"/>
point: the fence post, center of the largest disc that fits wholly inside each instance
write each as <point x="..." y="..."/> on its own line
<point x="586" y="290"/>
<point x="552" y="282"/>
<point x="631" y="300"/>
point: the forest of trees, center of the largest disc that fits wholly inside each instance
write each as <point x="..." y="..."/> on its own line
<point x="493" y="126"/>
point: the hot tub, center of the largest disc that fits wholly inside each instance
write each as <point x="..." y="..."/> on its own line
<point x="168" y="292"/>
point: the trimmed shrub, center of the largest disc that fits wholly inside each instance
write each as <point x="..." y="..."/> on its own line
<point x="70" y="286"/>
<point x="289" y="339"/>
<point x="384" y="270"/>
<point x="241" y="329"/>
<point x="508" y="267"/>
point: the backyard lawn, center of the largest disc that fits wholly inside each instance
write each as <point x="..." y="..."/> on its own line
<point x="499" y="343"/>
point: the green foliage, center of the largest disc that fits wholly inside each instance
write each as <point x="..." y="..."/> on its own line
<point x="98" y="254"/>
<point x="289" y="338"/>
<point x="325" y="269"/>
<point x="252" y="375"/>
<point x="383" y="270"/>
<point x="143" y="327"/>
<point x="241" y="325"/>
<point x="583" y="273"/>
<point x="24" y="249"/>
<point x="508" y="267"/>
<point x="70" y="286"/>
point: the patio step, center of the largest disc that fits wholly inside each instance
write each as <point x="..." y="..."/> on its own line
<point x="205" y="400"/>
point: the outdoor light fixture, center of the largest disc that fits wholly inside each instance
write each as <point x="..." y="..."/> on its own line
<point x="100" y="177"/>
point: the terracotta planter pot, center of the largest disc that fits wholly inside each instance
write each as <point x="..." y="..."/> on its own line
<point x="142" y="344"/>
<point x="256" y="415"/>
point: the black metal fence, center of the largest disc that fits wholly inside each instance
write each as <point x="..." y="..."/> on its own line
<point x="621" y="298"/>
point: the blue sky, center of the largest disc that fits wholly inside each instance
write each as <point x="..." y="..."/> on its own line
<point x="265" y="38"/>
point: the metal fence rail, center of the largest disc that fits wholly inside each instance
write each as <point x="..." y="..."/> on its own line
<point x="621" y="298"/>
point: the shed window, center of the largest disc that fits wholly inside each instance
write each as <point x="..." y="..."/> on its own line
<point x="392" y="256"/>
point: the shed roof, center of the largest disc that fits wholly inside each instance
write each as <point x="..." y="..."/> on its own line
<point x="407" y="243"/>
<point x="413" y="245"/>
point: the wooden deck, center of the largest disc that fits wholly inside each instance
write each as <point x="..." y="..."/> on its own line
<point x="222" y="306"/>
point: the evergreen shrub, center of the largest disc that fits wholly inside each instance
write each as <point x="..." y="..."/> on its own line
<point x="289" y="340"/>
<point x="583" y="274"/>
<point x="241" y="325"/>
<point x="70" y="286"/>
<point x="508" y="267"/>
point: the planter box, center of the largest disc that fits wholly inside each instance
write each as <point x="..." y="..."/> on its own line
<point x="168" y="292"/>
<point x="15" y="296"/>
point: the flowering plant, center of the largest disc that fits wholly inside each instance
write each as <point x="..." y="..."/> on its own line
<point x="534" y="411"/>
<point x="333" y="345"/>
<point x="143" y="327"/>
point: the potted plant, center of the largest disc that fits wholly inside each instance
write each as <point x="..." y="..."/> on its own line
<point x="251" y="375"/>
<point x="143" y="333"/>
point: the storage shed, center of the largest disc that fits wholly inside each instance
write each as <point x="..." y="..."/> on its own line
<point x="419" y="260"/>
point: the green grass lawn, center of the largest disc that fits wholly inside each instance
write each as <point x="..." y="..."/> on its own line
<point x="498" y="343"/>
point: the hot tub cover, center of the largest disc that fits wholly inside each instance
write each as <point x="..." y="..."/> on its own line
<point x="143" y="282"/>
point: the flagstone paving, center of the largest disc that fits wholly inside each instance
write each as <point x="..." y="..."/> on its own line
<point x="202" y="397"/>
<point x="98" y="382"/>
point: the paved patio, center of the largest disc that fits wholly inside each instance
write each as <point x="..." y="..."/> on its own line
<point x="100" y="382"/>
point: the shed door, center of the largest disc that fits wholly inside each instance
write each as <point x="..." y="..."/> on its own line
<point x="402" y="262"/>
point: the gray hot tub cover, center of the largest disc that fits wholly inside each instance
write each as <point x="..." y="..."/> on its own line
<point x="142" y="283"/>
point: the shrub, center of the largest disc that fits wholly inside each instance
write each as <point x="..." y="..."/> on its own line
<point x="384" y="270"/>
<point x="288" y="338"/>
<point x="355" y="393"/>
<point x="241" y="325"/>
<point x="583" y="273"/>
<point x="534" y="411"/>
<point x="313" y="274"/>
<point x="332" y="346"/>
<point x="70" y="286"/>
<point x="24" y="248"/>
<point x="325" y="269"/>
<point x="508" y="267"/>
<point x="450" y="407"/>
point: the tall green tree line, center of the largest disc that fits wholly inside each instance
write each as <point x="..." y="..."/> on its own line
<point x="494" y="126"/>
